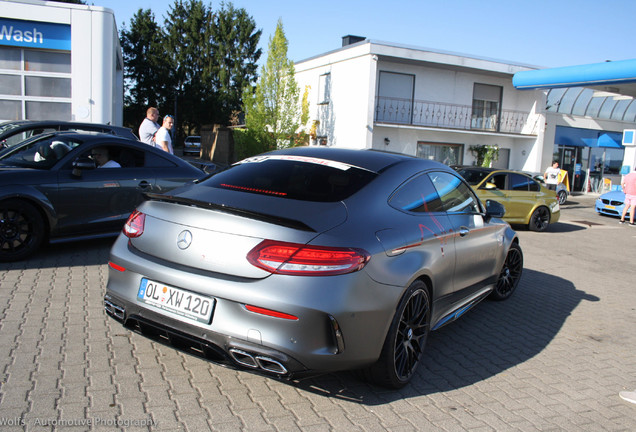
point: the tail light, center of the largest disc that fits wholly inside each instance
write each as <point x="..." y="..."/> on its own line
<point x="306" y="260"/>
<point x="135" y="224"/>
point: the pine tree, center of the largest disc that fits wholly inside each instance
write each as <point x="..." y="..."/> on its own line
<point x="143" y="72"/>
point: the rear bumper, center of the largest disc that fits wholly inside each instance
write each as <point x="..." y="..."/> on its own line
<point x="342" y="321"/>
<point x="212" y="345"/>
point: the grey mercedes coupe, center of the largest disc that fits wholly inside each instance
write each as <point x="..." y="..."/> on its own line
<point x="310" y="260"/>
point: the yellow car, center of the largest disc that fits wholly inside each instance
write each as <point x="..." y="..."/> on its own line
<point x="527" y="202"/>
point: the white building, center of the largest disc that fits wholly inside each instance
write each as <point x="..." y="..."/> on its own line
<point x="421" y="102"/>
<point x="437" y="105"/>
<point x="59" y="61"/>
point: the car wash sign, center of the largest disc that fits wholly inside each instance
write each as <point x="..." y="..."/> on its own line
<point x="35" y="34"/>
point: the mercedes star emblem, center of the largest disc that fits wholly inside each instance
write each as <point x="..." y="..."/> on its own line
<point x="184" y="239"/>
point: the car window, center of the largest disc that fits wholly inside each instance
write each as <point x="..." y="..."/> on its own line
<point x="18" y="137"/>
<point x="39" y="153"/>
<point x="81" y="129"/>
<point x="126" y="157"/>
<point x="456" y="196"/>
<point x="473" y="176"/>
<point x="519" y="182"/>
<point x="417" y="195"/>
<point x="499" y="180"/>
<point x="293" y="177"/>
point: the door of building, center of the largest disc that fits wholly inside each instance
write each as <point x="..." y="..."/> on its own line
<point x="572" y="160"/>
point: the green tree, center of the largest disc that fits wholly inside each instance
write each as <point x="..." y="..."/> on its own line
<point x="194" y="66"/>
<point x="143" y="71"/>
<point x="484" y="155"/>
<point x="236" y="53"/>
<point x="272" y="109"/>
<point x="189" y="58"/>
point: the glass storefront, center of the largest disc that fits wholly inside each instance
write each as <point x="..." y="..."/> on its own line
<point x="588" y="166"/>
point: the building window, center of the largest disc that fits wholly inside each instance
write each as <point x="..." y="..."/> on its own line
<point x="449" y="154"/>
<point x="486" y="107"/>
<point x="395" y="98"/>
<point x="324" y="89"/>
<point x="34" y="84"/>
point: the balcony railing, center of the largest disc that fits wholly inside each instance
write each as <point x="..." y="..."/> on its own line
<point x="451" y="116"/>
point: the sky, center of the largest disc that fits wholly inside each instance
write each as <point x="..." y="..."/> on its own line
<point x="540" y="33"/>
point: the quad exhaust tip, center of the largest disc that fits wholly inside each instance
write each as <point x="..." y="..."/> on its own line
<point x="114" y="310"/>
<point x="257" y="362"/>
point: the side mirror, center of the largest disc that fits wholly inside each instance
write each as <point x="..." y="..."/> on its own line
<point x="490" y="186"/>
<point x="83" y="163"/>
<point x="494" y="209"/>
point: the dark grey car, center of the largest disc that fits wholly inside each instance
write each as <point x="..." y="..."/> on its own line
<point x="313" y="259"/>
<point x="50" y="188"/>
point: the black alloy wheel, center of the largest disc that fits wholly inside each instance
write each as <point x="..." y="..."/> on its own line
<point x="404" y="344"/>
<point x="21" y="229"/>
<point x="510" y="274"/>
<point x="540" y="219"/>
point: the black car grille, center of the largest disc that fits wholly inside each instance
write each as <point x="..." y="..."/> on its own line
<point x="612" y="202"/>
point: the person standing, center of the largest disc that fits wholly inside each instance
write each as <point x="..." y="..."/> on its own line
<point x="149" y="126"/>
<point x="162" y="138"/>
<point x="629" y="188"/>
<point x="551" y="176"/>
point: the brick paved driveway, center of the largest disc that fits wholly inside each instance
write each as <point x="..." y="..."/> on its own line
<point x="553" y="357"/>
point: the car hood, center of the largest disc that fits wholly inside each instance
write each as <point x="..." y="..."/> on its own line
<point x="223" y="226"/>
<point x="613" y="195"/>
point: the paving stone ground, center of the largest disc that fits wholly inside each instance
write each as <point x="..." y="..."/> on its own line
<point x="552" y="358"/>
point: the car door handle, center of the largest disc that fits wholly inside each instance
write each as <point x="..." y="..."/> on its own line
<point x="463" y="231"/>
<point x="144" y="184"/>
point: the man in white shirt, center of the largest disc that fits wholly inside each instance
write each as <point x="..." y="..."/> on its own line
<point x="162" y="138"/>
<point x="149" y="126"/>
<point x="102" y="158"/>
<point x="551" y="176"/>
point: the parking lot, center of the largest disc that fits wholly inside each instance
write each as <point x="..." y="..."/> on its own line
<point x="553" y="357"/>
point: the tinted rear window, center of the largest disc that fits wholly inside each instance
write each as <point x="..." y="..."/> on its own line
<point x="473" y="177"/>
<point x="298" y="178"/>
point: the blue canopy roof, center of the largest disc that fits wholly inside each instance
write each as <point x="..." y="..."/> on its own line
<point x="577" y="137"/>
<point x="607" y="73"/>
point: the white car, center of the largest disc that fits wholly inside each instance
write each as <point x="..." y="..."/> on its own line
<point x="192" y="145"/>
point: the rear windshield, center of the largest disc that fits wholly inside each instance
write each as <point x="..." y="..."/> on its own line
<point x="293" y="177"/>
<point x="472" y="176"/>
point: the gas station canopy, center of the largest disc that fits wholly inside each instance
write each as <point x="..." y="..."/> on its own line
<point x="601" y="90"/>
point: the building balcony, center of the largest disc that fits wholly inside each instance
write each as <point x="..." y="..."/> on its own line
<point x="452" y="116"/>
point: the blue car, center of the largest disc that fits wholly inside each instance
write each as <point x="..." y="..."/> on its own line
<point x="611" y="204"/>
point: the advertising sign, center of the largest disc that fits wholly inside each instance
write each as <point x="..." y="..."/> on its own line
<point x="35" y="34"/>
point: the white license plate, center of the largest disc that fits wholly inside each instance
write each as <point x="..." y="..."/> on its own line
<point x="175" y="300"/>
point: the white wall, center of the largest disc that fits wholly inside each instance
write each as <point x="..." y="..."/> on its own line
<point x="96" y="82"/>
<point x="348" y="120"/>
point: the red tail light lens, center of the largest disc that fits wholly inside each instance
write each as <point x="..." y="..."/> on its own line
<point x="116" y="266"/>
<point x="304" y="260"/>
<point x="135" y="224"/>
<point x="269" y="312"/>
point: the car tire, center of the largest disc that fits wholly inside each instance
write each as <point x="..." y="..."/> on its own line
<point x="405" y="341"/>
<point x="540" y="219"/>
<point x="21" y="230"/>
<point x="563" y="196"/>
<point x="510" y="274"/>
